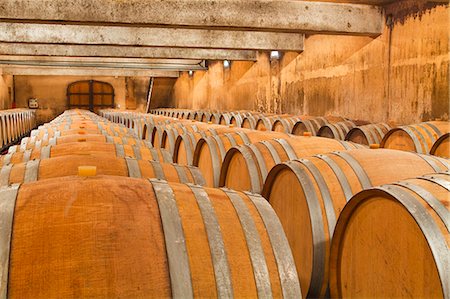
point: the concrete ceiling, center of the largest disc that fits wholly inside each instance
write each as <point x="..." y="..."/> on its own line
<point x="167" y="29"/>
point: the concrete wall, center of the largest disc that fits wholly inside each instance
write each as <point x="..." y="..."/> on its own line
<point x="400" y="76"/>
<point x="130" y="92"/>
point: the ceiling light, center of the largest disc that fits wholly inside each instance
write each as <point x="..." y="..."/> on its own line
<point x="274" y="55"/>
<point x="226" y="64"/>
<point x="191" y="73"/>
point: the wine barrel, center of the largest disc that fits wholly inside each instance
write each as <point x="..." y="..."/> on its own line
<point x="34" y="170"/>
<point x="319" y="188"/>
<point x="246" y="167"/>
<point x="32" y="142"/>
<point x="185" y="144"/>
<point x="368" y="134"/>
<point x="210" y="151"/>
<point x="393" y="242"/>
<point x="87" y="148"/>
<point x="111" y="130"/>
<point x="249" y="121"/>
<point x="285" y="125"/>
<point x="337" y="130"/>
<point x="417" y="138"/>
<point x="309" y="125"/>
<point x="112" y="237"/>
<point x="441" y="147"/>
<point x="265" y="123"/>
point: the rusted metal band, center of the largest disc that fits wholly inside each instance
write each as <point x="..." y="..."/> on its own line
<point x="220" y="146"/>
<point x="435" y="238"/>
<point x="261" y="165"/>
<point x="325" y="193"/>
<point x="342" y="178"/>
<point x="357" y="168"/>
<point x="431" y="161"/>
<point x="45" y="152"/>
<point x="435" y="129"/>
<point x="231" y="139"/>
<point x="137" y="152"/>
<point x="133" y="168"/>
<point x="197" y="175"/>
<point x="415" y="134"/>
<point x="273" y="152"/>
<point x="217" y="247"/>
<point x="287" y="148"/>
<point x="245" y="150"/>
<point x="4" y="175"/>
<point x="178" y="260"/>
<point x="256" y="252"/>
<point x="120" y="151"/>
<point x="155" y="155"/>
<point x="31" y="171"/>
<point x="181" y="171"/>
<point x="158" y="170"/>
<point x="317" y="228"/>
<point x="7" y="206"/>
<point x="431" y="200"/>
<point x="290" y="285"/>
<point x="444" y="183"/>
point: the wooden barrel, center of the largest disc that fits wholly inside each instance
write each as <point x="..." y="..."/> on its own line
<point x="416" y="138"/>
<point x="441" y="147"/>
<point x="285" y="125"/>
<point x="34" y="170"/>
<point x="309" y="125"/>
<point x="249" y="121"/>
<point x="319" y="188"/>
<point x="87" y="148"/>
<point x="337" y="130"/>
<point x="368" y="134"/>
<point x="111" y="130"/>
<point x="210" y="151"/>
<point x="32" y="142"/>
<point x="265" y="123"/>
<point x="246" y="167"/>
<point x="393" y="242"/>
<point x="185" y="144"/>
<point x="111" y="237"/>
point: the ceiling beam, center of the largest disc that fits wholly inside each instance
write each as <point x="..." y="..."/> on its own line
<point x="148" y="36"/>
<point x="263" y="15"/>
<point x="124" y="51"/>
<point x="69" y="71"/>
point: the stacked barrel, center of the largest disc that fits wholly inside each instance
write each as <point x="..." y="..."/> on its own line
<point x="244" y="212"/>
<point x="89" y="208"/>
<point x="311" y="181"/>
<point x="15" y="124"/>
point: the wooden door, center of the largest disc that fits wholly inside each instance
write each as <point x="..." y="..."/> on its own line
<point x="90" y="95"/>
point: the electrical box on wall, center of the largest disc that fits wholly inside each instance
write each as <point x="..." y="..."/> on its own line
<point x="33" y="103"/>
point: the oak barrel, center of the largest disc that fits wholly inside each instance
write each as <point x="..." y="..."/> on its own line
<point x="246" y="167"/>
<point x="441" y="147"/>
<point x="115" y="237"/>
<point x="368" y="134"/>
<point x="393" y="241"/>
<point x="320" y="187"/>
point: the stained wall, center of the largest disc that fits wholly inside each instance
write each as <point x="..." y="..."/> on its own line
<point x="400" y="76"/>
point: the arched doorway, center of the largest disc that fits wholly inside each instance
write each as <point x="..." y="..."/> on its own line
<point x="90" y="94"/>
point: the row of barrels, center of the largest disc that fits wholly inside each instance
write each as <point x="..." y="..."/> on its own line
<point x="427" y="138"/>
<point x="309" y="181"/>
<point x="89" y="210"/>
<point x="14" y="124"/>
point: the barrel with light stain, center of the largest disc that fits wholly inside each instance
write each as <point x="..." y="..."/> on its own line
<point x="87" y="148"/>
<point x="34" y="170"/>
<point x="246" y="167"/>
<point x="393" y="241"/>
<point x="114" y="237"/>
<point x="441" y="147"/>
<point x="417" y="138"/>
<point x="368" y="134"/>
<point x="320" y="187"/>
